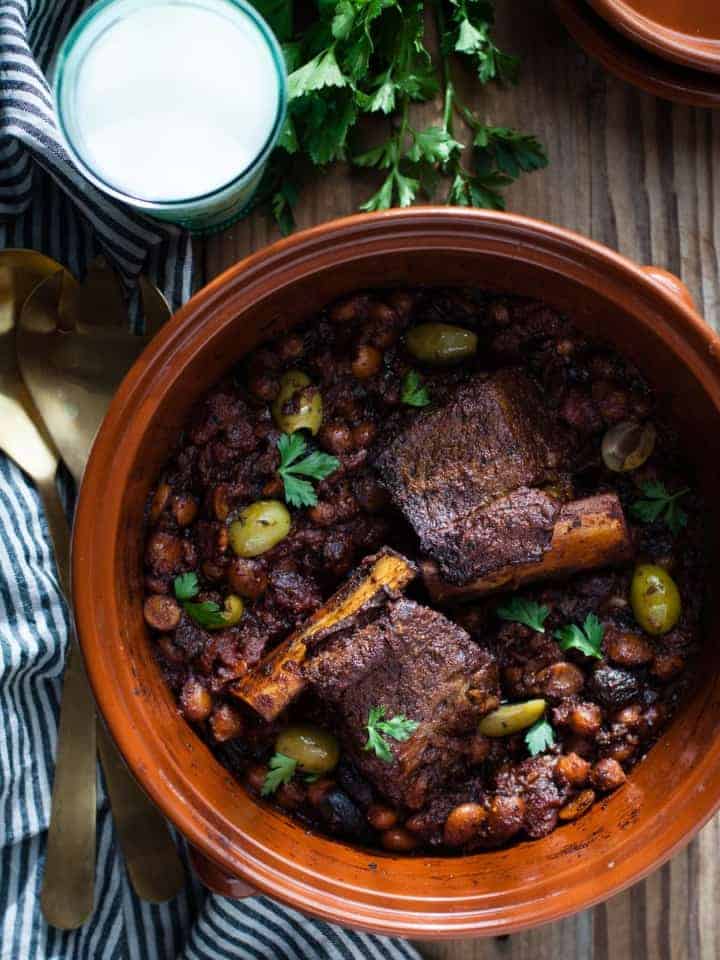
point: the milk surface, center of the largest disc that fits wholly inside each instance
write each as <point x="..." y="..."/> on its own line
<point x="174" y="101"/>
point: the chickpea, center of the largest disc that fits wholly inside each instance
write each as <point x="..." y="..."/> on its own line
<point x="363" y="435"/>
<point x="263" y="386"/>
<point x="159" y="501"/>
<point x="161" y="612"/>
<point x="511" y="718"/>
<point x="441" y="343"/>
<point x="221" y="501"/>
<point x="627" y="445"/>
<point x="290" y="795"/>
<point x="463" y="824"/>
<point x="335" y="438"/>
<point x="247" y="577"/>
<point x="259" y="528"/>
<point x="665" y="666"/>
<point x="577" y="806"/>
<point x="184" y="509"/>
<point x="380" y="817"/>
<point x="163" y="553"/>
<point x="195" y="700"/>
<point x="226" y="722"/>
<point x="607" y="775"/>
<point x="315" y="750"/>
<point x="291" y="347"/>
<point x="366" y="362"/>
<point x="351" y="309"/>
<point x="170" y="649"/>
<point x="655" y="599"/>
<point x="572" y="769"/>
<point x="398" y="840"/>
<point x="272" y="488"/>
<point x="298" y="405"/>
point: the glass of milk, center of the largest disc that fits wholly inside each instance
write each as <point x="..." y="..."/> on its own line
<point x="172" y="105"/>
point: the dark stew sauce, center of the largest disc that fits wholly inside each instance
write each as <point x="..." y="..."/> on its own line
<point x="572" y="679"/>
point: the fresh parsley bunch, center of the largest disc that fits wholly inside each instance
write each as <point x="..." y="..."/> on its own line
<point x="363" y="57"/>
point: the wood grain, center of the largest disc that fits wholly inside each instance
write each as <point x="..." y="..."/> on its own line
<point x="642" y="176"/>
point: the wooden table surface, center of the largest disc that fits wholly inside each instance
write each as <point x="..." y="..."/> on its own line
<point x="642" y="176"/>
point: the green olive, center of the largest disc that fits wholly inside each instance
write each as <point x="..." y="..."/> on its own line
<point x="259" y="527"/>
<point x="627" y="445"/>
<point x="316" y="750"/>
<point x="234" y="609"/>
<point x="297" y="389"/>
<point x="511" y="717"/>
<point x="655" y="599"/>
<point x="441" y="343"/>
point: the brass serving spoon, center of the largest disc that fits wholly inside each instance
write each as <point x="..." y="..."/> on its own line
<point x="71" y="845"/>
<point x="72" y="373"/>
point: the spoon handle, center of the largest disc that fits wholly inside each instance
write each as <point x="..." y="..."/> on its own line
<point x="68" y="881"/>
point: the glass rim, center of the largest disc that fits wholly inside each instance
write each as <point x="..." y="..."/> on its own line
<point x="63" y="58"/>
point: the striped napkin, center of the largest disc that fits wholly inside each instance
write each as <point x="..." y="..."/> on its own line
<point x="45" y="205"/>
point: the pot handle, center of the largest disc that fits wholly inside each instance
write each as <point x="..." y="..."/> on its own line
<point x="216" y="880"/>
<point x="663" y="278"/>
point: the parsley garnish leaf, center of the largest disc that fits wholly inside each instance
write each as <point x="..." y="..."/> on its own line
<point x="659" y="502"/>
<point x="281" y="770"/>
<point x="352" y="58"/>
<point x="540" y="737"/>
<point x="398" y="727"/>
<point x="207" y="614"/>
<point x="414" y="392"/>
<point x="587" y="639"/>
<point x="316" y="465"/>
<point x="186" y="586"/>
<point x="519" y="610"/>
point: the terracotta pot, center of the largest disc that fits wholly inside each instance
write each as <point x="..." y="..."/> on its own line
<point x="649" y="317"/>
<point x="686" y="33"/>
<point x="635" y="64"/>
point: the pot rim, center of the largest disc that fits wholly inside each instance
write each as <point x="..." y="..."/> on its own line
<point x="701" y="53"/>
<point x="179" y="798"/>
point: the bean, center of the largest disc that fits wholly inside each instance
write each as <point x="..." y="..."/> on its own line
<point x="366" y="362"/>
<point x="511" y="718"/>
<point x="221" y="501"/>
<point x="627" y="649"/>
<point x="226" y="722"/>
<point x="170" y="649"/>
<point x="585" y="719"/>
<point x="291" y="347"/>
<point x="298" y="405"/>
<point x="561" y="679"/>
<point x="184" y="509"/>
<point x="577" y="806"/>
<point x="247" y="577"/>
<point x="665" y="666"/>
<point x="349" y="310"/>
<point x="259" y="528"/>
<point x="463" y="824"/>
<point x="607" y="774"/>
<point x="317" y="791"/>
<point x="159" y="501"/>
<point x="264" y="386"/>
<point x="363" y="435"/>
<point x="335" y="438"/>
<point x="161" y="612"/>
<point x="290" y="795"/>
<point x="196" y="700"/>
<point x="272" y="488"/>
<point x="572" y="769"/>
<point x="655" y="599"/>
<point x="315" y="750"/>
<point x="505" y="816"/>
<point x="441" y="343"/>
<point x="255" y="777"/>
<point x="380" y="817"/>
<point x="398" y="840"/>
<point x="164" y="553"/>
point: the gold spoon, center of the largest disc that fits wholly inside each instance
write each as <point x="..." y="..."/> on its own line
<point x="71" y="839"/>
<point x="72" y="374"/>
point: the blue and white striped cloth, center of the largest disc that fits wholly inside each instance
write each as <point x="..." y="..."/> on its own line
<point x="44" y="205"/>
